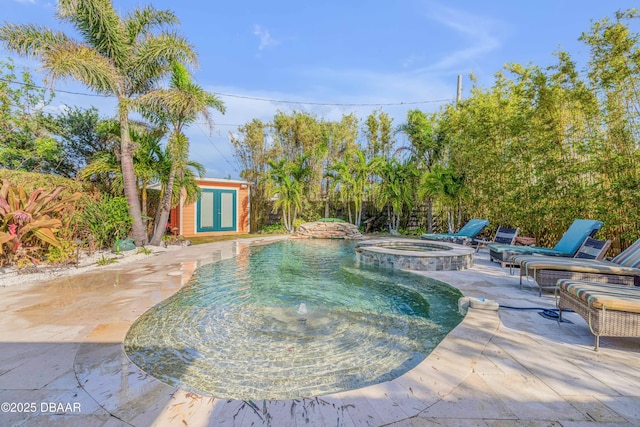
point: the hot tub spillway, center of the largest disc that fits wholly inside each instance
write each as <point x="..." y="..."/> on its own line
<point x="410" y="254"/>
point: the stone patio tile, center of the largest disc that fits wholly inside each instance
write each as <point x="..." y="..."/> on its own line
<point x="81" y="403"/>
<point x="428" y="383"/>
<point x="449" y="422"/>
<point x="29" y="371"/>
<point x="529" y="398"/>
<point x="622" y="378"/>
<point x="380" y="399"/>
<point x="558" y="370"/>
<point x="64" y="421"/>
<point x="105" y="372"/>
<point x="472" y="399"/>
<point x="332" y="411"/>
<point x="496" y="361"/>
<point x="228" y="413"/>
<point x="524" y="423"/>
<point x="594" y="409"/>
<point x="359" y="409"/>
<point x="403" y="397"/>
<point x="260" y="416"/>
<point x="627" y="407"/>
<point x="184" y="408"/>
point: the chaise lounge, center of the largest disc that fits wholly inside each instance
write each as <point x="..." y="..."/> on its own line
<point x="464" y="236"/>
<point x="504" y="236"/>
<point x="567" y="246"/>
<point x="609" y="310"/>
<point x="624" y="269"/>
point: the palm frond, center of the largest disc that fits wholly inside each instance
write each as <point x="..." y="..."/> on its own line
<point x="99" y="24"/>
<point x="84" y="64"/>
<point x="30" y="40"/>
<point x="145" y="19"/>
<point x="154" y="57"/>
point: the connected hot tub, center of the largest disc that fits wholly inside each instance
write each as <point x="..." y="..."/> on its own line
<point x="411" y="254"/>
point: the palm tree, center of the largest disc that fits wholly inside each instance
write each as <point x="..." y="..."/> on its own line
<point x="151" y="163"/>
<point x="176" y="107"/>
<point x="426" y="148"/>
<point x="123" y="57"/>
<point x="445" y="185"/>
<point x="287" y="180"/>
<point x="343" y="183"/>
<point x="396" y="189"/>
<point x="148" y="157"/>
<point x="352" y="176"/>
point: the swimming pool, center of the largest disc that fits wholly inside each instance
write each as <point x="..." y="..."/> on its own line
<point x="295" y="318"/>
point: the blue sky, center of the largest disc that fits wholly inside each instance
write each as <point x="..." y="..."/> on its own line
<point x="343" y="52"/>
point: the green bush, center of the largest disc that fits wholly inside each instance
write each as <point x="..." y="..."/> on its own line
<point x="63" y="254"/>
<point x="273" y="229"/>
<point x="31" y="181"/>
<point x="107" y="220"/>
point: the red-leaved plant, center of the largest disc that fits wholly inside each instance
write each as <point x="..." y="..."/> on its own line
<point x="30" y="222"/>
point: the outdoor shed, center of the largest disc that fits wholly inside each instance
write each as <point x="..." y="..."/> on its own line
<point x="222" y="209"/>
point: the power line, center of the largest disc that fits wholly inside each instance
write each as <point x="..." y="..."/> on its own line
<point x="334" y="104"/>
<point x="216" y="147"/>
<point x="53" y="90"/>
<point x="253" y="98"/>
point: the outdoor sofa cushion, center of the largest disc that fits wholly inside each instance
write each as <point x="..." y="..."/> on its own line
<point x="599" y="296"/>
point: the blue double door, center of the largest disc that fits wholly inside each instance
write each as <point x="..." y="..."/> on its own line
<point x="217" y="210"/>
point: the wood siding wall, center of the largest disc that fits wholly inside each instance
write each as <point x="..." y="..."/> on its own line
<point x="242" y="211"/>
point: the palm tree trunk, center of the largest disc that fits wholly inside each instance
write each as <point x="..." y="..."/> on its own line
<point x="143" y="197"/>
<point x="165" y="207"/>
<point x="129" y="177"/>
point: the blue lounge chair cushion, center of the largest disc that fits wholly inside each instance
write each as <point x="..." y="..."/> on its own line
<point x="525" y="250"/>
<point x="575" y="235"/>
<point x="471" y="229"/>
<point x="568" y="245"/>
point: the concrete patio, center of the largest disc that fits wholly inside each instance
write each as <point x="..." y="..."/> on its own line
<point x="62" y="364"/>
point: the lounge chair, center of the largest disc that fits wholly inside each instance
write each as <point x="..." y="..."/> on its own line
<point x="567" y="246"/>
<point x="624" y="269"/>
<point x="591" y="249"/>
<point x="504" y="236"/>
<point x="610" y="310"/>
<point x="464" y="236"/>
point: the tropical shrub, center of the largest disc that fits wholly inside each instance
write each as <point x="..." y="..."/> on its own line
<point x="63" y="254"/>
<point x="273" y="229"/>
<point x="107" y="220"/>
<point x="29" y="223"/>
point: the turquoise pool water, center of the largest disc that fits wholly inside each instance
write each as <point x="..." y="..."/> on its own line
<point x="296" y="318"/>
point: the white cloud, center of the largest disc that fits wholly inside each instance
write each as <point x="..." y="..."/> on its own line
<point x="479" y="32"/>
<point x="265" y="38"/>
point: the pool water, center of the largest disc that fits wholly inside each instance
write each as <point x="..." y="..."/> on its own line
<point x="296" y="318"/>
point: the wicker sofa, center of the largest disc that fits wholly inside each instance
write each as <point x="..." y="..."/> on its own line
<point x="609" y="310"/>
<point x="624" y="269"/>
